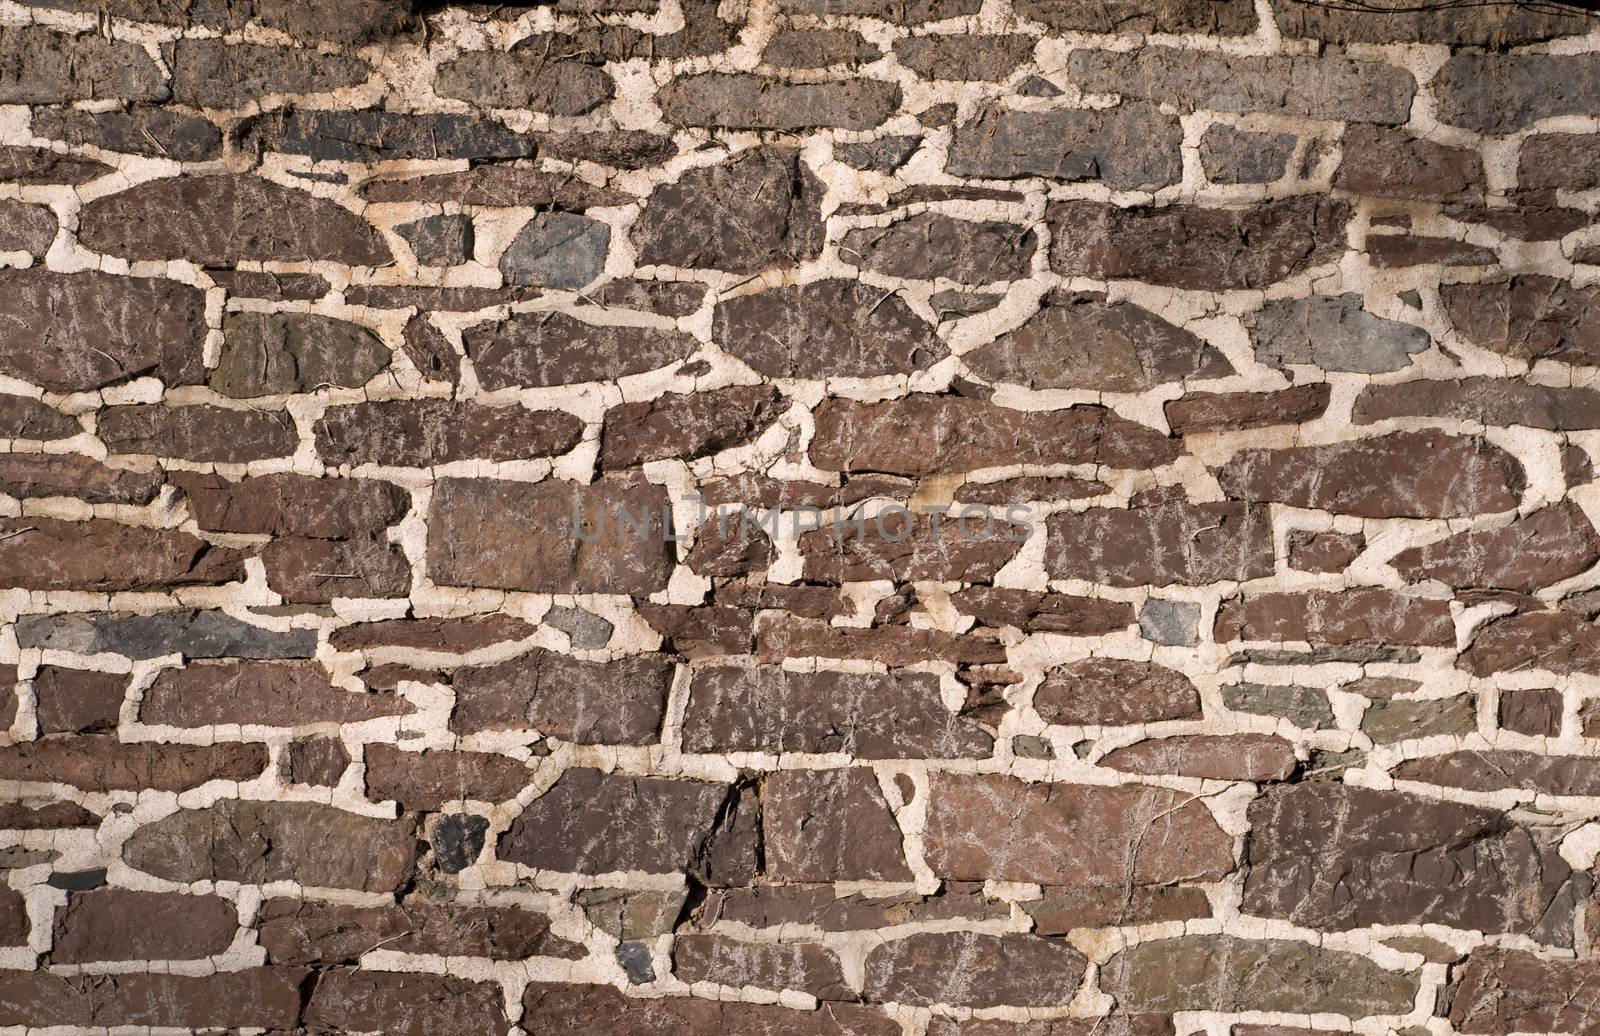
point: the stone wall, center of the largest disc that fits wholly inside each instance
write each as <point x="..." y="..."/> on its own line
<point x="1261" y="334"/>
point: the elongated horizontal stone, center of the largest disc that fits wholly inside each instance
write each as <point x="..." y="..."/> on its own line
<point x="1534" y="551"/>
<point x="1115" y="691"/>
<point x="1489" y="401"/>
<point x="543" y="349"/>
<point x="285" y="694"/>
<point x="1358" y="616"/>
<point x="617" y="702"/>
<point x="1161" y="539"/>
<point x="52" y="554"/>
<point x="194" y="634"/>
<point x="830" y="328"/>
<point x="420" y="433"/>
<point x="1504" y="991"/>
<point x="740" y="101"/>
<point x="1501" y="769"/>
<point x="1129" y="147"/>
<point x="200" y="433"/>
<point x="1014" y="969"/>
<point x="102" y="763"/>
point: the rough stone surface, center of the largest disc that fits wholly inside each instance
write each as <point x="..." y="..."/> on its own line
<point x="1336" y="334"/>
<point x="1129" y="147"/>
<point x="829" y="328"/>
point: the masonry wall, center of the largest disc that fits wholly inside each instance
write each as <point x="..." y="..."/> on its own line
<point x="1256" y="340"/>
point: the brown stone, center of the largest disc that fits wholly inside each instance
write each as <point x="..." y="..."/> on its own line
<point x="537" y="350"/>
<point x="256" y="997"/>
<point x="1559" y="161"/>
<point x="1204" y="249"/>
<point x="1490" y="401"/>
<point x="1335" y="857"/>
<point x="553" y="537"/>
<point x="930" y="245"/>
<point x="219" y="220"/>
<point x="24" y="418"/>
<point x="1219" y="757"/>
<point x="826" y="329"/>
<point x="1389" y="163"/>
<point x="1562" y="642"/>
<point x="687" y="426"/>
<point x="758" y="210"/>
<point x="1401" y="475"/>
<point x="26" y="228"/>
<point x="139" y="129"/>
<point x="1081" y="341"/>
<point x="830" y="825"/>
<point x="1391" y="251"/>
<point x="285" y="504"/>
<point x="319" y="761"/>
<point x="967" y="547"/>
<point x="996" y="828"/>
<point x="39" y="474"/>
<point x="1503" y="991"/>
<point x="453" y="636"/>
<point x="928" y="435"/>
<point x="76" y="701"/>
<point x="698" y="632"/>
<point x="429" y="780"/>
<point x="40" y="66"/>
<point x="742" y="101"/>
<point x="344" y="1000"/>
<point x="52" y="816"/>
<point x="1356" y="616"/>
<point x="208" y="73"/>
<point x="769" y="906"/>
<point x="1017" y="492"/>
<point x="1528" y="318"/>
<point x="616" y="702"/>
<point x="200" y="433"/>
<point x="895" y="715"/>
<point x="1135" y="17"/>
<point x="36" y="166"/>
<point x="498" y="185"/>
<point x="121" y="924"/>
<point x="277" y="694"/>
<point x="1013" y="969"/>
<point x="570" y="1010"/>
<point x="99" y="762"/>
<point x="807" y="967"/>
<point x="261" y="842"/>
<point x="1534" y="551"/>
<point x="781" y="637"/>
<point x="72" y="332"/>
<point x="1115" y="691"/>
<point x="1063" y="909"/>
<point x="818" y="48"/>
<point x="528" y="76"/>
<point x="1035" y="612"/>
<point x="421" y="433"/>
<point x="594" y="823"/>
<point x="1498" y="769"/>
<point x="98" y="554"/>
<point x="1534" y="711"/>
<point x="303" y="931"/>
<point x="1161" y="539"/>
<point x="1237" y="411"/>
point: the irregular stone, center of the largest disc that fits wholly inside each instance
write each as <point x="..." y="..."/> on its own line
<point x="720" y="551"/>
<point x="430" y="780"/>
<point x="1559" y="161"/>
<point x="46" y="474"/>
<point x="26" y="228"/>
<point x="568" y="1010"/>
<point x="1159" y="540"/>
<point x="208" y="73"/>
<point x="198" y="433"/>
<point x="429" y="351"/>
<point x="894" y="646"/>
<point x="261" y="842"/>
<point x="617" y="702"/>
<point x="40" y="66"/>
<point x="893" y="715"/>
<point x="380" y="136"/>
<point x="557" y="250"/>
<point x="594" y="823"/>
<point x="1227" y="18"/>
<point x="457" y="841"/>
<point x="140" y="130"/>
<point x="926" y="435"/>
<point x="930" y="245"/>
<point x="1503" y="991"/>
<point x="298" y="931"/>
<point x="1500" y="769"/>
<point x="24" y="418"/>
<point x="319" y="761"/>
<point x="1331" y="86"/>
<point x="74" y="332"/>
<point x="1130" y="147"/>
<point x="269" y="693"/>
<point x="1221" y="757"/>
<point x="1114" y="691"/>
<point x="1232" y="155"/>
<point x="900" y="546"/>
<point x="830" y="825"/>
<point x="421" y="433"/>
<point x="98" y="554"/>
<point x="806" y="967"/>
<point x="1034" y="612"/>
<point x="1489" y="401"/>
<point x="255" y="997"/>
<point x="538" y="350"/>
<point x="528" y="76"/>
<point x="17" y="816"/>
<point x="758" y="210"/>
<point x="1387" y="722"/>
<point x="443" y="240"/>
<point x="741" y="101"/>
<point x="1503" y="93"/>
<point x="1335" y="334"/>
<point x="76" y="701"/>
<point x="358" y="21"/>
<point x="1527" y="317"/>
<point x="1063" y="909"/>
<point x="193" y="634"/>
<point x="272" y="353"/>
<point x="1392" y="251"/>
<point x="1336" y="857"/>
<point x="831" y="328"/>
<point x="1198" y="412"/>
<point x="1305" y="707"/>
<point x="497" y="185"/>
<point x="275" y="287"/>
<point x="1225" y="973"/>
<point x="553" y="537"/>
<point x="1402" y="475"/>
<point x="624" y="149"/>
<point x="1324" y="551"/>
<point x="37" y="166"/>
<point x="1531" y="216"/>
<point x="342" y="1000"/>
<point x="1389" y="163"/>
<point x="1399" y="22"/>
<point x="1022" y="970"/>
<point x="1534" y="711"/>
<point x="996" y="828"/>
<point x="284" y="504"/>
<point x="99" y="762"/>
<point x="219" y="220"/>
<point x="1353" y="616"/>
<point x="884" y="155"/>
<point x="1194" y="247"/>
<point x="818" y="48"/>
<point x="1534" y="551"/>
<point x="687" y="426"/>
<point x="454" y="636"/>
<point x="122" y="924"/>
<point x="631" y="914"/>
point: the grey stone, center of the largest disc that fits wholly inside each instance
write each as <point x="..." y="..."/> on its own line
<point x="1305" y="707"/>
<point x="587" y="630"/>
<point x="1336" y="334"/>
<point x="270" y="353"/>
<point x="443" y="240"/>
<point x="458" y="841"/>
<point x="1312" y="86"/>
<point x="1130" y="146"/>
<point x="139" y="131"/>
<point x="953" y="303"/>
<point x="635" y="960"/>
<point x="1174" y="623"/>
<point x="742" y="101"/>
<point x="1359" y="653"/>
<point x="632" y="914"/>
<point x="1232" y="155"/>
<point x="1386" y="722"/>
<point x="884" y="155"/>
<point x="1503" y="93"/>
<point x="557" y="250"/>
<point x="1028" y="746"/>
<point x="193" y="634"/>
<point x="1036" y="86"/>
<point x="377" y="136"/>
